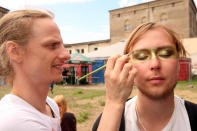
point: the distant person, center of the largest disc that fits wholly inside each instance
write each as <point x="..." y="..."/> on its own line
<point x="68" y="120"/>
<point x="153" y="65"/>
<point x="31" y="57"/>
<point x="51" y="87"/>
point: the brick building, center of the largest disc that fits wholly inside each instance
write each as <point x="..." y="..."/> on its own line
<point x="180" y="15"/>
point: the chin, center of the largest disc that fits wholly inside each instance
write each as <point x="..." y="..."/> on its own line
<point x="157" y="95"/>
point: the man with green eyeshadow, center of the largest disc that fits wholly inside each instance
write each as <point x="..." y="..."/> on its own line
<point x="151" y="64"/>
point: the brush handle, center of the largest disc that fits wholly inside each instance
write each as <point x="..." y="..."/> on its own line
<point x="102" y="67"/>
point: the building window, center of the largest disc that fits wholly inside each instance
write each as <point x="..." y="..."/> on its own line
<point x="95" y="48"/>
<point x="70" y="51"/>
<point x="173" y="4"/>
<point x="153" y="8"/>
<point x="82" y="51"/>
<point x="78" y="51"/>
<point x="163" y="18"/>
<point x="127" y="26"/>
<point x="118" y="15"/>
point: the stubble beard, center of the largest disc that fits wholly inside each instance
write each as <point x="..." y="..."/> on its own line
<point x="158" y="95"/>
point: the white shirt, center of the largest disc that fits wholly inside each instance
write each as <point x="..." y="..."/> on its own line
<point x="18" y="115"/>
<point x="179" y="120"/>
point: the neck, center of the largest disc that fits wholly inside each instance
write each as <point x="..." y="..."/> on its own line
<point x="154" y="114"/>
<point x="32" y="92"/>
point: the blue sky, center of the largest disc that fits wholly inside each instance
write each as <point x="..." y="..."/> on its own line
<point x="78" y="20"/>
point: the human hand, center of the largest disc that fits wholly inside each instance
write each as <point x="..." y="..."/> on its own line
<point x="119" y="77"/>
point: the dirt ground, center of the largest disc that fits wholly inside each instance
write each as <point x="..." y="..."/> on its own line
<point x="94" y="112"/>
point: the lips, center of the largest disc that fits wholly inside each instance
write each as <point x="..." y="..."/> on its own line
<point x="59" y="67"/>
<point x="156" y="80"/>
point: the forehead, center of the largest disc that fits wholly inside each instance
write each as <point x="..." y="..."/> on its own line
<point x="45" y="29"/>
<point x="154" y="38"/>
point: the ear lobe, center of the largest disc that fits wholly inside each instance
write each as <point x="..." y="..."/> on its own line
<point x="14" y="51"/>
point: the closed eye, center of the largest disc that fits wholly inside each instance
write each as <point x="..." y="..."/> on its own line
<point x="165" y="53"/>
<point x="141" y="55"/>
<point x="54" y="45"/>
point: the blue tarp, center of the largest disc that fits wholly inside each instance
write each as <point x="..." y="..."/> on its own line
<point x="98" y="77"/>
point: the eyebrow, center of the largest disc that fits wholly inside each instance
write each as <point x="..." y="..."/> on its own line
<point x="152" y="48"/>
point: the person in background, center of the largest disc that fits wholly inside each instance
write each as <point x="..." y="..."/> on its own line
<point x="51" y="87"/>
<point x="68" y="120"/>
<point x="31" y="57"/>
<point x="152" y="64"/>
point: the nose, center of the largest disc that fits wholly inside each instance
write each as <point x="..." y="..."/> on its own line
<point x="64" y="55"/>
<point x="155" y="64"/>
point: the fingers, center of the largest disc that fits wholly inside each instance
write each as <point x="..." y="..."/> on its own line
<point x="120" y="63"/>
<point x="125" y="71"/>
<point x="119" y="76"/>
<point x="128" y="74"/>
<point x="119" y="68"/>
<point x="111" y="62"/>
<point x="116" y="64"/>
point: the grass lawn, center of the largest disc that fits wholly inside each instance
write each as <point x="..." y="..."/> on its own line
<point x="87" y="102"/>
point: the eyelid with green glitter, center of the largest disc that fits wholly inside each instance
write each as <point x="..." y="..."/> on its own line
<point x="149" y="53"/>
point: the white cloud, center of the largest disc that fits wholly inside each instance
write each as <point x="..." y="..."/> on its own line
<point x="124" y="3"/>
<point x="76" y="36"/>
<point x="15" y="4"/>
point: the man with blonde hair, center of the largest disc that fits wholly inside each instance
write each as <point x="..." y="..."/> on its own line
<point x="151" y="61"/>
<point x="31" y="57"/>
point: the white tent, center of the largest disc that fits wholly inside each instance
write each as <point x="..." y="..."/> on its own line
<point x="190" y="45"/>
<point x="105" y="53"/>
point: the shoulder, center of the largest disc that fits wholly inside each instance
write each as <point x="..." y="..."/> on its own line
<point x="130" y="104"/>
<point x="190" y="105"/>
<point x="192" y="114"/>
<point x="53" y="106"/>
<point x="16" y="123"/>
<point x="69" y="117"/>
<point x="69" y="114"/>
<point x="19" y="119"/>
<point x="191" y="109"/>
<point x="16" y="114"/>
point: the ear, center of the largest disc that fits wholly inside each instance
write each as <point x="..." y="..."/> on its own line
<point x="14" y="51"/>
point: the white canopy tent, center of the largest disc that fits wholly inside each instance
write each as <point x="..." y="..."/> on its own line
<point x="105" y="53"/>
